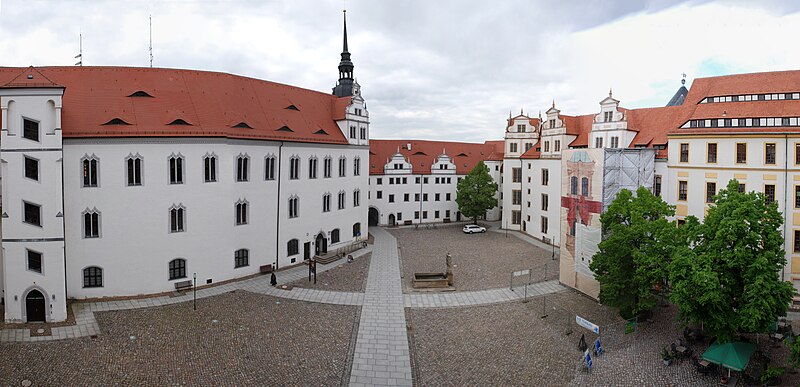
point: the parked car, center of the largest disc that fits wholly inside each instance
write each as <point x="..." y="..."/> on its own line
<point x="471" y="228"/>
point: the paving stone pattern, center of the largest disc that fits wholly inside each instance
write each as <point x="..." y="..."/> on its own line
<point x="491" y="296"/>
<point x="343" y="276"/>
<point x="480" y="261"/>
<point x="381" y="353"/>
<point x="257" y="340"/>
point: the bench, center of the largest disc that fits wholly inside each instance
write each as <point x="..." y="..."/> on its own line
<point x="407" y="222"/>
<point x="265" y="269"/>
<point x="183" y="285"/>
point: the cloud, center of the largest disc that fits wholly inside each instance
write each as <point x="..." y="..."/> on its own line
<point x="448" y="70"/>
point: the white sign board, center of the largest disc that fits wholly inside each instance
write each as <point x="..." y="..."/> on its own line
<point x="587" y="324"/>
<point x="522" y="272"/>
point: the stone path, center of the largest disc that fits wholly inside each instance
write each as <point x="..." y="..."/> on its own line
<point x="381" y="353"/>
<point x="480" y="297"/>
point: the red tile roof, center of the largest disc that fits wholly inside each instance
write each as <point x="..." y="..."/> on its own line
<point x="211" y="102"/>
<point x="423" y="154"/>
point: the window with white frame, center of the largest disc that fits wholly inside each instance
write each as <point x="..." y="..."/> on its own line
<point x="32" y="213"/>
<point x="31" y="166"/>
<point x="91" y="223"/>
<point x="608" y="117"/>
<point x="294" y="207"/>
<point x="242" y="168"/>
<point x="176" y="169"/>
<point x="544" y="225"/>
<point x="357" y="198"/>
<point x="312" y="167"/>
<point x="90" y="165"/>
<point x="547" y="146"/>
<point x="269" y="167"/>
<point x="92" y="277"/>
<point x="341" y="200"/>
<point x="241" y="258"/>
<point x="615" y="142"/>
<point x="177" y="269"/>
<point x="292" y="247"/>
<point x="34" y="261"/>
<point x="210" y="168"/>
<point x="326" y="202"/>
<point x="363" y="133"/>
<point x="327" y="166"/>
<point x="598" y="142"/>
<point x="342" y="167"/>
<point x="177" y="218"/>
<point x="133" y="170"/>
<point x="352" y="131"/>
<point x="357" y="166"/>
<point x="294" y="168"/>
<point x="30" y="129"/>
<point x="241" y="212"/>
<point x="557" y="146"/>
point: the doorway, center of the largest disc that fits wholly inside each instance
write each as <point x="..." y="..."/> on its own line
<point x="391" y="220"/>
<point x="320" y="245"/>
<point x="458" y="216"/>
<point x="35" y="306"/>
<point x="307" y="251"/>
<point x="374" y="216"/>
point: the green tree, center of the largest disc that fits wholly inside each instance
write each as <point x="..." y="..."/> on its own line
<point x="728" y="278"/>
<point x="794" y="351"/>
<point x="476" y="193"/>
<point x="633" y="257"/>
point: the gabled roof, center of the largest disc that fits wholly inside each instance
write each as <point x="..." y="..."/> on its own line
<point x="29" y="78"/>
<point x="423" y="153"/>
<point x="213" y="103"/>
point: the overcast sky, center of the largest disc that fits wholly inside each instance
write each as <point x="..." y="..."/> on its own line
<point x="444" y="69"/>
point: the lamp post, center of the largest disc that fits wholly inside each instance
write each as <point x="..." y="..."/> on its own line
<point x="194" y="289"/>
<point x="553" y="243"/>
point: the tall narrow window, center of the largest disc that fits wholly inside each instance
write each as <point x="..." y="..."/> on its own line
<point x="356" y="230"/>
<point x="176" y="169"/>
<point x="327" y="166"/>
<point x="241" y="258"/>
<point x="177" y="219"/>
<point x="31" y="168"/>
<point x="544" y="225"/>
<point x="89" y="165"/>
<point x="516" y="175"/>
<point x="292" y="247"/>
<point x="712" y="153"/>
<point x="242" y="168"/>
<point x="34" y="261"/>
<point x="741" y="153"/>
<point x="92" y="277"/>
<point x="711" y="190"/>
<point x="312" y="168"/>
<point x="30" y="129"/>
<point x="342" y="167"/>
<point x="294" y="168"/>
<point x="573" y="184"/>
<point x="210" y="168"/>
<point x="357" y="198"/>
<point x="557" y="147"/>
<point x="352" y="131"/>
<point x="91" y="224"/>
<point x="608" y="116"/>
<point x="516" y="197"/>
<point x="797" y="153"/>
<point x="294" y="207"/>
<point x="326" y="202"/>
<point x="32" y="214"/>
<point x="177" y="269"/>
<point x="615" y="142"/>
<point x="657" y="186"/>
<point x="341" y="200"/>
<point x="683" y="188"/>
<point x="769" y="153"/>
<point x="684" y="153"/>
<point x="545" y="176"/>
<point x="134" y="170"/>
<point x="598" y="142"/>
<point x="241" y="212"/>
<point x="769" y="193"/>
<point x="363" y="133"/>
<point x="269" y="168"/>
<point x="545" y="202"/>
<point x="585" y="186"/>
<point x="797" y="241"/>
<point x="357" y="166"/>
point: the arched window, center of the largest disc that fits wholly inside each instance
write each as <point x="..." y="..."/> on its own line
<point x="242" y="168"/>
<point x="292" y="247"/>
<point x="341" y="200"/>
<point x="294" y="207"/>
<point x="241" y="258"/>
<point x="312" y="167"/>
<point x="134" y="170"/>
<point x="241" y="212"/>
<point x="326" y="202"/>
<point x="269" y="168"/>
<point x="342" y="166"/>
<point x="210" y="168"/>
<point x="335" y="236"/>
<point x="356" y="230"/>
<point x="585" y="186"/>
<point x="573" y="185"/>
<point x="294" y="168"/>
<point x="177" y="219"/>
<point x="177" y="268"/>
<point x="90" y="166"/>
<point x="357" y="166"/>
<point x="91" y="224"/>
<point x="176" y="169"/>
<point x="326" y="166"/>
<point x="92" y="277"/>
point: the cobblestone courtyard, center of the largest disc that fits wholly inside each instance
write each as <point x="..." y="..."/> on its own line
<point x="480" y="261"/>
<point x="345" y="277"/>
<point x="258" y="340"/>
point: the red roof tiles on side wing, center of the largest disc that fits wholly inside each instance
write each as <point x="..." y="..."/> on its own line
<point x="211" y="102"/>
<point x="463" y="154"/>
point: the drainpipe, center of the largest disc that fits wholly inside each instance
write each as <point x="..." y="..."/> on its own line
<point x="421" y="181"/>
<point x="278" y="211"/>
<point x="785" y="198"/>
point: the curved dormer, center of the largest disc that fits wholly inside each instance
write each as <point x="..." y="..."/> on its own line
<point x="443" y="164"/>
<point x="397" y="164"/>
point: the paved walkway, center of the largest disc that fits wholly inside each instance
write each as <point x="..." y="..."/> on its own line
<point x="381" y="354"/>
<point x="480" y="297"/>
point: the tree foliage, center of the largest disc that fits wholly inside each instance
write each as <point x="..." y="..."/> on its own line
<point x="476" y="193"/>
<point x="633" y="257"/>
<point x="728" y="278"/>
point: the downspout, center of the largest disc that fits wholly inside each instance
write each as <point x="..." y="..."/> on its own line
<point x="278" y="211"/>
<point x="421" y="181"/>
<point x="785" y="198"/>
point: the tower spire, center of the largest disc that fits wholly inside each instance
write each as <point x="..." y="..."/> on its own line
<point x="344" y="87"/>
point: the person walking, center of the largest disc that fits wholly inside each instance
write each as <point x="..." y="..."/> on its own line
<point x="313" y="268"/>
<point x="273" y="280"/>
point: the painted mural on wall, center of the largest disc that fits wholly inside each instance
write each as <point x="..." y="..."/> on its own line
<point x="581" y="205"/>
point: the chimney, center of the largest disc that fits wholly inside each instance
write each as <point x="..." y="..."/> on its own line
<point x="408" y="146"/>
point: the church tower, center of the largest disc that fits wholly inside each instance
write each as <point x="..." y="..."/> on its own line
<point x="346" y="84"/>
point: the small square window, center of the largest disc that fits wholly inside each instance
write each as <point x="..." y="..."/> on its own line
<point x="32" y="214"/>
<point x="34" y="261"/>
<point x="30" y="129"/>
<point x="31" y="168"/>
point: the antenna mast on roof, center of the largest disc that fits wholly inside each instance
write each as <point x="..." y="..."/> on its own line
<point x="80" y="50"/>
<point x="683" y="79"/>
<point x="151" y="41"/>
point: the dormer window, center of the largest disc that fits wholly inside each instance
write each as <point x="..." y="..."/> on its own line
<point x="357" y="111"/>
<point x="140" y="93"/>
<point x="321" y="132"/>
<point x="116" y="121"/>
<point x="608" y="116"/>
<point x="243" y="125"/>
<point x="179" y="122"/>
<point x="292" y="107"/>
<point x="398" y="166"/>
<point x="521" y="128"/>
<point x="285" y="129"/>
<point x="552" y="123"/>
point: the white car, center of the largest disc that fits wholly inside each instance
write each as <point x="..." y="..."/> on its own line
<point x="471" y="228"/>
